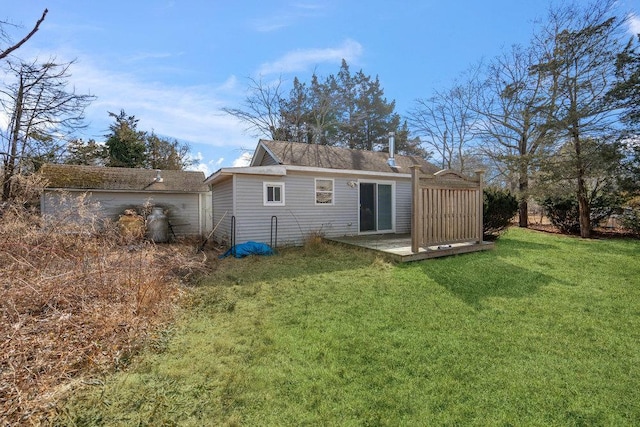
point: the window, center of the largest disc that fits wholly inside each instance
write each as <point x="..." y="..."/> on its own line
<point x="324" y="191"/>
<point x="273" y="194"/>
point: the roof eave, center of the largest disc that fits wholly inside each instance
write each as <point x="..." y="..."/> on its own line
<point x="274" y="170"/>
<point x="348" y="171"/>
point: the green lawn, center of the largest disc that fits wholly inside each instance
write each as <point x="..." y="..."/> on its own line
<point x="544" y="330"/>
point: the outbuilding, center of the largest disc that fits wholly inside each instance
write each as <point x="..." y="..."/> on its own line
<point x="182" y="195"/>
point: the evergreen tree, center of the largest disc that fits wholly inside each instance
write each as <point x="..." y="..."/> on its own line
<point x="323" y="114"/>
<point x="125" y="144"/>
<point x="347" y="110"/>
<point x="366" y="115"/>
<point x="582" y="45"/>
<point x="80" y="152"/>
<point x="626" y="91"/>
<point x="161" y="153"/>
<point x="406" y="145"/>
<point x="295" y="113"/>
<point x="626" y="95"/>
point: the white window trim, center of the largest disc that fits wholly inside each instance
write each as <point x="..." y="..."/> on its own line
<point x="333" y="191"/>
<point x="265" y="186"/>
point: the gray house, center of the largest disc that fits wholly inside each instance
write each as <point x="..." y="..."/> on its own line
<point x="295" y="190"/>
<point x="183" y="195"/>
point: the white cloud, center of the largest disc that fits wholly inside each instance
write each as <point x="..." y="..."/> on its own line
<point x="243" y="160"/>
<point x="302" y="60"/>
<point x="634" y="24"/>
<point x="206" y="167"/>
<point x="201" y="167"/>
<point x="268" y="27"/>
<point x="188" y="113"/>
<point x="144" y="56"/>
<point x="295" y="14"/>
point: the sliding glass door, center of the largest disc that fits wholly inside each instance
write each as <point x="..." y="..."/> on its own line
<point x="376" y="207"/>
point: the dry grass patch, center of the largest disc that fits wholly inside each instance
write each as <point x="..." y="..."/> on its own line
<point x="76" y="301"/>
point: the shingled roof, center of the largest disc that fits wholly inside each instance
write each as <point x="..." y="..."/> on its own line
<point x="105" y="178"/>
<point x="324" y="156"/>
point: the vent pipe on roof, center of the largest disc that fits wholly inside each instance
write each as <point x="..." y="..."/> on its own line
<point x="392" y="148"/>
<point x="158" y="176"/>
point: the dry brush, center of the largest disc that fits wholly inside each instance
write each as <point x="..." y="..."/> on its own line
<point x="76" y="301"/>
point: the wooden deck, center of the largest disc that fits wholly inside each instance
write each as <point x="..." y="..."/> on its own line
<point x="398" y="246"/>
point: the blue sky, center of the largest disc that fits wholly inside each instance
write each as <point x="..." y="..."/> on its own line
<point x="175" y="64"/>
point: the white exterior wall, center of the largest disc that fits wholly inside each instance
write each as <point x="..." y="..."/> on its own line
<point x="206" y="208"/>
<point x="184" y="211"/>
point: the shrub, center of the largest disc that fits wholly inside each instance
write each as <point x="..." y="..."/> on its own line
<point x="631" y="220"/>
<point x="563" y="211"/>
<point x="631" y="216"/>
<point x="500" y="206"/>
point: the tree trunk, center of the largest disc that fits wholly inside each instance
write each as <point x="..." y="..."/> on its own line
<point x="583" y="210"/>
<point x="10" y="163"/>
<point x="583" y="203"/>
<point x="523" y="186"/>
<point x="523" y="213"/>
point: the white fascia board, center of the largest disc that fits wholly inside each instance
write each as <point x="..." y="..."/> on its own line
<point x="115" y="190"/>
<point x="260" y="150"/>
<point x="274" y="170"/>
<point x="349" y="172"/>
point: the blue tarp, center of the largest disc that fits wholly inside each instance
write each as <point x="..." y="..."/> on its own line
<point x="248" y="248"/>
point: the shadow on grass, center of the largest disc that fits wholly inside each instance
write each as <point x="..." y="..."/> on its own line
<point x="509" y="245"/>
<point x="474" y="282"/>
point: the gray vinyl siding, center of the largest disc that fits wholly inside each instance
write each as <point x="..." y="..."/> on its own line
<point x="300" y="216"/>
<point x="182" y="209"/>
<point x="267" y="160"/>
<point x="403" y="207"/>
<point x="223" y="210"/>
<point x="241" y="197"/>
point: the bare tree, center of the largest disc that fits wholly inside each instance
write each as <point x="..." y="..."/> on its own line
<point x="262" y="109"/>
<point x="446" y="122"/>
<point x="513" y="107"/>
<point x="42" y="112"/>
<point x="3" y="35"/>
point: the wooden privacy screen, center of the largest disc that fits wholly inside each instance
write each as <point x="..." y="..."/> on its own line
<point x="447" y="208"/>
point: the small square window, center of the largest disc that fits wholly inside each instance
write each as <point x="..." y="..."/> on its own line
<point x="273" y="194"/>
<point x="324" y="191"/>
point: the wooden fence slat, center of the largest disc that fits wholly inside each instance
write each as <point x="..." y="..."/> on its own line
<point x="448" y="209"/>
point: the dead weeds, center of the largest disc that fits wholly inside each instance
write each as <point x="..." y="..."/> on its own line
<point x="77" y="301"/>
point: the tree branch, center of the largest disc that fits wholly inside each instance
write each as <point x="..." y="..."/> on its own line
<point x="27" y="37"/>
